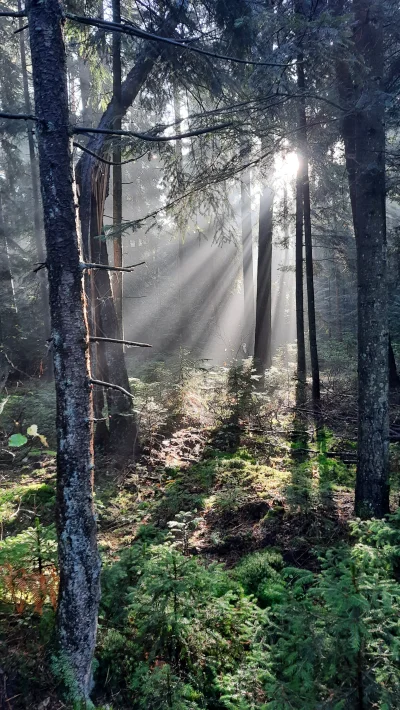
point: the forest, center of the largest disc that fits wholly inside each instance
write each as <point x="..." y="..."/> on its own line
<point x="199" y="354"/>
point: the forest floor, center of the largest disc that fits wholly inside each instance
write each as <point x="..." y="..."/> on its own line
<point x="217" y="491"/>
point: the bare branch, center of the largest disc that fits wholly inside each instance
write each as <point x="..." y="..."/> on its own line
<point x="149" y="136"/>
<point x="110" y="268"/>
<point x="104" y="160"/>
<point x="100" y="383"/>
<point x="13" y="14"/>
<point x="18" y="116"/>
<point x="130" y="343"/>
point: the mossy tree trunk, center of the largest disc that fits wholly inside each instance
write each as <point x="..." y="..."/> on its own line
<point x="79" y="562"/>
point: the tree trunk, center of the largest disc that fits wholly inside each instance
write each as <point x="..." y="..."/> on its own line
<point x="394" y="379"/>
<point x="77" y="545"/>
<point x="263" y="334"/>
<point x="247" y="255"/>
<point x="9" y="331"/>
<point x="92" y="180"/>
<point x="304" y="171"/>
<point x="347" y="95"/>
<point x="179" y="159"/>
<point x="301" y="347"/>
<point x="117" y="170"/>
<point x="372" y="490"/>
<point x="37" y="228"/>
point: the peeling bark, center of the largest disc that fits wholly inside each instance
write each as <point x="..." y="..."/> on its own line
<point x="77" y="549"/>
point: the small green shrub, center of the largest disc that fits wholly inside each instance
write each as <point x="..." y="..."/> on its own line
<point x="184" y="625"/>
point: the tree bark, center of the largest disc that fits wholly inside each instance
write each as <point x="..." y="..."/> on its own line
<point x="263" y="331"/>
<point x="247" y="256"/>
<point x="304" y="172"/>
<point x="37" y="227"/>
<point x="394" y="379"/>
<point x="372" y="490"/>
<point x="347" y="96"/>
<point x="117" y="170"/>
<point x="79" y="562"/>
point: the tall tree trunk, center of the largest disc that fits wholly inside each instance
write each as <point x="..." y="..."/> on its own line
<point x="179" y="159"/>
<point x="77" y="545"/>
<point x="37" y="229"/>
<point x="372" y="490"/>
<point x="263" y="333"/>
<point x="247" y="255"/>
<point x="301" y="347"/>
<point x="304" y="171"/>
<point x="9" y="331"/>
<point x="348" y="97"/>
<point x="338" y="308"/>
<point x="117" y="169"/>
<point x="92" y="179"/>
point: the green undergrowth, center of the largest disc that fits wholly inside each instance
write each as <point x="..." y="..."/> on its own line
<point x="178" y="632"/>
<point x="234" y="582"/>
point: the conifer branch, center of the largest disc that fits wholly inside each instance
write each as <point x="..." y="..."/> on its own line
<point x="183" y="44"/>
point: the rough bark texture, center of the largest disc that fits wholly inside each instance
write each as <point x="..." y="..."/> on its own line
<point x="372" y="491"/>
<point x="263" y="334"/>
<point x="348" y="96"/>
<point x="117" y="170"/>
<point x="78" y="557"/>
<point x="394" y="379"/>
<point x="247" y="256"/>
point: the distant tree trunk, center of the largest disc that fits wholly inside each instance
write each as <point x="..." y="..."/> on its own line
<point x="338" y="308"/>
<point x="9" y="330"/>
<point x="179" y="158"/>
<point x="304" y="170"/>
<point x="301" y="347"/>
<point x="37" y="228"/>
<point x="247" y="256"/>
<point x="263" y="332"/>
<point x="79" y="562"/>
<point x="372" y="490"/>
<point x="117" y="169"/>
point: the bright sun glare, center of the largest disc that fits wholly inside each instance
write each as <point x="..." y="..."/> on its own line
<point x="286" y="165"/>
